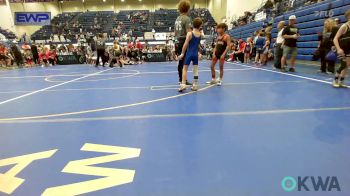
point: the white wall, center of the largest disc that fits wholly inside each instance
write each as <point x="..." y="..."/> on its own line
<point x="238" y="7"/>
<point x="6" y="21"/>
<point x="218" y="9"/>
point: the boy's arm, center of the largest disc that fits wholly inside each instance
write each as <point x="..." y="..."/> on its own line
<point x="188" y="39"/>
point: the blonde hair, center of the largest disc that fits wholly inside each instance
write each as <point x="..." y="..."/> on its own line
<point x="347" y="14"/>
<point x="281" y="24"/>
<point x="328" y="25"/>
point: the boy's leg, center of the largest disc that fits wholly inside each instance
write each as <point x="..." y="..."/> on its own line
<point x="294" y="53"/>
<point x="345" y="66"/>
<point x="212" y="69"/>
<point x="195" y="77"/>
<point x="184" y="78"/>
<point x="284" y="58"/>
<point x="219" y="82"/>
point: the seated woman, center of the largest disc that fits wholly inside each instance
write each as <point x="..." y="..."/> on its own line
<point x="4" y="55"/>
<point x="43" y="57"/>
<point x="52" y="57"/>
<point x="28" y="57"/>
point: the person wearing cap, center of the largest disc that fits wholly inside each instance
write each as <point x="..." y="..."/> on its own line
<point x="290" y="35"/>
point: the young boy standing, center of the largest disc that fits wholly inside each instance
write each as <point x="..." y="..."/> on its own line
<point x="223" y="44"/>
<point x="192" y="43"/>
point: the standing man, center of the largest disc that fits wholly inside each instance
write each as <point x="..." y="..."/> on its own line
<point x="278" y="45"/>
<point x="290" y="35"/>
<point x="35" y="53"/>
<point x="182" y="27"/>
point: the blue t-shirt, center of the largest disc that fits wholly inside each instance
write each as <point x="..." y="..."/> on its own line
<point x="260" y="42"/>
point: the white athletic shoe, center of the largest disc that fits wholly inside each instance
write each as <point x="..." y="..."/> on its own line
<point x="194" y="87"/>
<point x="211" y="82"/>
<point x="219" y="83"/>
<point x="182" y="88"/>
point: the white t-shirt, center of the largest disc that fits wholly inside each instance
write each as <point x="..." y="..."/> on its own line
<point x="280" y="38"/>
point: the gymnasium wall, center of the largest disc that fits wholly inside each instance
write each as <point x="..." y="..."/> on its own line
<point x="236" y="8"/>
<point x="7" y="11"/>
<point x="218" y="9"/>
<point x="33" y="7"/>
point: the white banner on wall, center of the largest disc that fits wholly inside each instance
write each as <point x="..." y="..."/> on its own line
<point x="160" y="36"/>
<point x="260" y="16"/>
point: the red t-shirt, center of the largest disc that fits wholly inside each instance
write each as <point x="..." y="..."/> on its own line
<point x="43" y="56"/>
<point x="139" y="45"/>
<point x="51" y="54"/>
<point x="130" y="45"/>
<point x="241" y="47"/>
<point x="3" y="51"/>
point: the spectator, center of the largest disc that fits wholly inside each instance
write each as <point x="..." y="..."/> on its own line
<point x="248" y="49"/>
<point x="278" y="45"/>
<point x="17" y="55"/>
<point x="326" y="44"/>
<point x="266" y="49"/>
<point x="291" y="35"/>
<point x="34" y="50"/>
<point x="43" y="56"/>
<point x="4" y="56"/>
<point x="259" y="44"/>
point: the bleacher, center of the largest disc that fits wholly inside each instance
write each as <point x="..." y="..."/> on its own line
<point x="160" y="20"/>
<point x="8" y="34"/>
<point x="310" y="22"/>
<point x="132" y="20"/>
<point x="165" y="18"/>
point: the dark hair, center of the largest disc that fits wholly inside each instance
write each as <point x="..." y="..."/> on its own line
<point x="222" y="26"/>
<point x="197" y="23"/>
<point x="184" y="6"/>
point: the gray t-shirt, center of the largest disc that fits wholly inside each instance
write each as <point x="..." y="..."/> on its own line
<point x="182" y="23"/>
